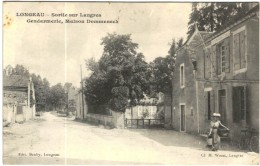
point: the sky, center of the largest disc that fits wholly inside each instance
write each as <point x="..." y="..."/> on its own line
<point x="56" y="51"/>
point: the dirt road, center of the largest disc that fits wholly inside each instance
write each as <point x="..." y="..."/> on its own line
<point x="57" y="140"/>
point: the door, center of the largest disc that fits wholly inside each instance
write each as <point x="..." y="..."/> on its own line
<point x="183" y="123"/>
<point x="222" y="106"/>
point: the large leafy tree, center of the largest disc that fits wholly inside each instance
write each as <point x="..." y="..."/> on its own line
<point x="120" y="77"/>
<point x="212" y="16"/>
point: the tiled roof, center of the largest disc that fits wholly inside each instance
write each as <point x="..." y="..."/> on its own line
<point x="15" y="81"/>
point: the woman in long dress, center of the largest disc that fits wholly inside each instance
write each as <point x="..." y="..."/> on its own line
<point x="214" y="126"/>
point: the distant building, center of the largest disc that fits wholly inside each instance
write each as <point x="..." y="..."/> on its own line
<point x="81" y="105"/>
<point x="218" y="72"/>
<point x="18" y="97"/>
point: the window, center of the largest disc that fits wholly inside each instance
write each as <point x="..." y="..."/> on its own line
<point x="191" y="111"/>
<point x="239" y="50"/>
<point x="182" y="76"/>
<point x="223" y="58"/>
<point x="239" y="103"/>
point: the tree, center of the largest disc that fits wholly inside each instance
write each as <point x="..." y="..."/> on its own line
<point x="212" y="16"/>
<point x="57" y="96"/>
<point x="20" y="70"/>
<point x="163" y="69"/>
<point x="120" y="76"/>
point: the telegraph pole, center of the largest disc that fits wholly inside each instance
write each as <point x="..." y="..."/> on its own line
<point x="82" y="92"/>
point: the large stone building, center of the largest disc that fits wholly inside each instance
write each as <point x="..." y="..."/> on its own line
<point x="218" y="72"/>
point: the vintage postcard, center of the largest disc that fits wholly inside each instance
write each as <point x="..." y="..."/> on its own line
<point x="90" y="83"/>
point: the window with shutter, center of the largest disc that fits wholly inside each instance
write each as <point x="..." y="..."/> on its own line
<point x="214" y="64"/>
<point x="227" y="58"/>
<point x="239" y="50"/>
<point x="223" y="58"/>
<point x="242" y="49"/>
<point x="236" y="53"/>
<point x="218" y="56"/>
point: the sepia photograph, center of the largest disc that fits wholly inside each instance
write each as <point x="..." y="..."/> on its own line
<point x="130" y="83"/>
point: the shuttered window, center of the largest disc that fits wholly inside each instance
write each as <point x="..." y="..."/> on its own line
<point x="222" y="59"/>
<point x="213" y="59"/>
<point x="239" y="103"/>
<point x="239" y="42"/>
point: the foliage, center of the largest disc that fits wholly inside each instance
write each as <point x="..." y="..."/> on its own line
<point x="145" y="114"/>
<point x="20" y="70"/>
<point x="120" y="76"/>
<point x="32" y="100"/>
<point x="163" y="69"/>
<point x="52" y="97"/>
<point x="57" y="97"/>
<point x="42" y="90"/>
<point x="212" y="16"/>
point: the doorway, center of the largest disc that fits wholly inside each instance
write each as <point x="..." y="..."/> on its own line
<point x="183" y="123"/>
<point x="222" y="105"/>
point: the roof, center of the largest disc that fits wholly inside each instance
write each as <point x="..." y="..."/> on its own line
<point x="197" y="35"/>
<point x="15" y="81"/>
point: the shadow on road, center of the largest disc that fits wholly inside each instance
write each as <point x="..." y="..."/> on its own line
<point x="178" y="139"/>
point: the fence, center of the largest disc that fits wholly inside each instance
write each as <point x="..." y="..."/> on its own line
<point x="144" y="123"/>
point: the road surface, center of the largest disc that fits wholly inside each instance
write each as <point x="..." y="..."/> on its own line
<point x="51" y="139"/>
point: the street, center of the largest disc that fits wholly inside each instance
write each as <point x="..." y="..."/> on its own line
<point x="51" y="139"/>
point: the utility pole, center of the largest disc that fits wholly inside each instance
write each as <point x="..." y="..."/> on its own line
<point x="82" y="92"/>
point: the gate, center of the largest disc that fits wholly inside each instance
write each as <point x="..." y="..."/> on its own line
<point x="144" y="123"/>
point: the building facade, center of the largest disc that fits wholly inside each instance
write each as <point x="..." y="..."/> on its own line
<point x="18" y="98"/>
<point x="219" y="72"/>
<point x="81" y="106"/>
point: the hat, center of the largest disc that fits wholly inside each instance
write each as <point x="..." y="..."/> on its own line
<point x="216" y="114"/>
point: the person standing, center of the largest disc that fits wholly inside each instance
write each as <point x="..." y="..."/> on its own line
<point x="213" y="133"/>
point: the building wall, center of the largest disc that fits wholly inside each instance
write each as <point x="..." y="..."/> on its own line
<point x="80" y="108"/>
<point x="9" y="113"/>
<point x="248" y="78"/>
<point x="186" y="95"/>
<point x="194" y="94"/>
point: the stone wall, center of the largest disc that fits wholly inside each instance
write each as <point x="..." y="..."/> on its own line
<point x="116" y="120"/>
<point x="100" y="119"/>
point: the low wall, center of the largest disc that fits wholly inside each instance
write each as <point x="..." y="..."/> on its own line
<point x="100" y="119"/>
<point x="116" y="120"/>
<point x="8" y="114"/>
